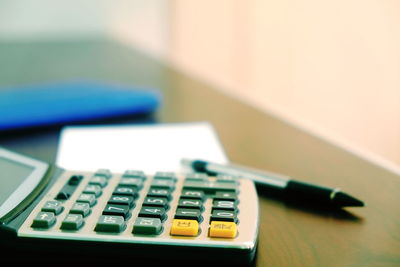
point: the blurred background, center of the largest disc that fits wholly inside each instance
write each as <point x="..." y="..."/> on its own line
<point x="329" y="67"/>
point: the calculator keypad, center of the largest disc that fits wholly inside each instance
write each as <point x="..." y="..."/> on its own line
<point x="164" y="205"/>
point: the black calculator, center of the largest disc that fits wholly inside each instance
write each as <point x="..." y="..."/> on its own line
<point x="171" y="216"/>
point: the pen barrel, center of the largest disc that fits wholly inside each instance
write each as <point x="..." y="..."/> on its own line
<point x="299" y="192"/>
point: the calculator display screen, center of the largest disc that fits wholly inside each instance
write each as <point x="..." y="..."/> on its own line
<point x="12" y="174"/>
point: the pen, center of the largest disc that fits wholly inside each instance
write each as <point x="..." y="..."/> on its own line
<point x="290" y="189"/>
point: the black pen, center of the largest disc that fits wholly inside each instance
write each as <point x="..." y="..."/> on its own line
<point x="296" y="191"/>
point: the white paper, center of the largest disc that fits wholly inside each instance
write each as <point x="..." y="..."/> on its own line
<point x="151" y="148"/>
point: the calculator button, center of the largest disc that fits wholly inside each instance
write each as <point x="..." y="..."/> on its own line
<point x="189" y="214"/>
<point x="226" y="196"/>
<point x="156" y="202"/>
<point x="227" y="179"/>
<point x="106" y="173"/>
<point x="131" y="182"/>
<point x="223" y="229"/>
<point x="126" y="191"/>
<point x="117" y="210"/>
<point x="165" y="176"/>
<point x="162" y="183"/>
<point x="152" y="212"/>
<point x="63" y="195"/>
<point x="75" y="180"/>
<point x="72" y="222"/>
<point x="108" y="223"/>
<point x="69" y="188"/>
<point x="192" y="194"/>
<point x="157" y="192"/>
<point x="184" y="227"/>
<point x="209" y="186"/>
<point x="190" y="204"/>
<point x="223" y="215"/>
<point x="44" y="220"/>
<point x="134" y="174"/>
<point x="80" y="208"/>
<point x="147" y="226"/>
<point x="87" y="198"/>
<point x="92" y="189"/>
<point x="224" y="205"/>
<point x="53" y="206"/>
<point x="122" y="200"/>
<point x="97" y="180"/>
<point x="196" y="177"/>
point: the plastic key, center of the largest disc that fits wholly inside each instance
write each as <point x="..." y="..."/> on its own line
<point x="184" y="227"/>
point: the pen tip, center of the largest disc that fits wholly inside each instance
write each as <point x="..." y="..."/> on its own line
<point x="343" y="199"/>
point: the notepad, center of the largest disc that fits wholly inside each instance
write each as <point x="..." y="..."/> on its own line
<point x="151" y="148"/>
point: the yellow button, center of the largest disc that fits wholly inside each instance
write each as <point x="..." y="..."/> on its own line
<point x="223" y="229"/>
<point x="184" y="227"/>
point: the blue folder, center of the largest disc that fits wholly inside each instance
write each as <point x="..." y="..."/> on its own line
<point x="69" y="102"/>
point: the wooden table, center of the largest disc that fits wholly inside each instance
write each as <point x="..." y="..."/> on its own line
<point x="289" y="235"/>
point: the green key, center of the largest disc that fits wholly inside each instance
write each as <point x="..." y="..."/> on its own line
<point x="226" y="196"/>
<point x="44" y="220"/>
<point x="199" y="177"/>
<point x="93" y="189"/>
<point x="227" y="179"/>
<point x="147" y="226"/>
<point x="159" y="192"/>
<point x="224" y="205"/>
<point x="97" y="180"/>
<point x="156" y="202"/>
<point x="134" y="174"/>
<point x="188" y="214"/>
<point x="165" y="176"/>
<point x="190" y="204"/>
<point x="87" y="198"/>
<point x="110" y="223"/>
<point x="53" y="206"/>
<point x="162" y="183"/>
<point x="72" y="222"/>
<point x="122" y="200"/>
<point x="223" y="215"/>
<point x="131" y="182"/>
<point x="80" y="208"/>
<point x="106" y="173"/>
<point x="152" y="212"/>
<point x="192" y="194"/>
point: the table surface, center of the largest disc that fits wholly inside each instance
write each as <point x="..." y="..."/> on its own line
<point x="289" y="235"/>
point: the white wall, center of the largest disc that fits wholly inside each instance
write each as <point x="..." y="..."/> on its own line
<point x="52" y="19"/>
<point x="142" y="23"/>
<point x="331" y="67"/>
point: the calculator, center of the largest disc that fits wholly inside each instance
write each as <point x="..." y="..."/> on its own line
<point x="166" y="215"/>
